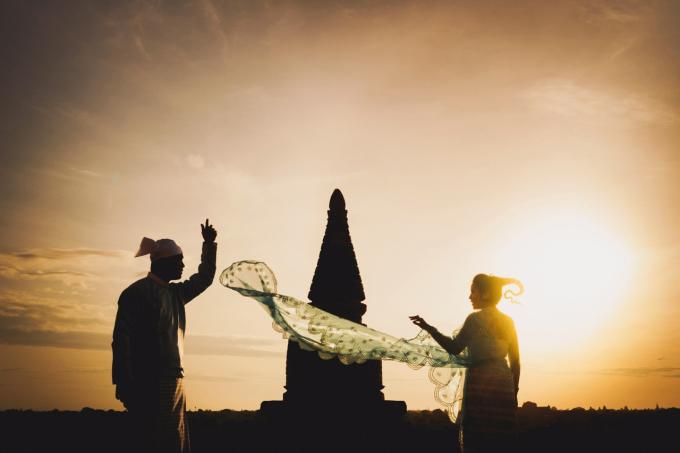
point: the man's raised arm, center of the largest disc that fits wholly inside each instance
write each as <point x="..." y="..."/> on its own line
<point x="199" y="281"/>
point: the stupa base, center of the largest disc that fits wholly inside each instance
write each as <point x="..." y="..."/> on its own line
<point x="335" y="412"/>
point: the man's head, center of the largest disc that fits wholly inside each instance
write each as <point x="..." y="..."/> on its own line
<point x="168" y="268"/>
<point x="166" y="257"/>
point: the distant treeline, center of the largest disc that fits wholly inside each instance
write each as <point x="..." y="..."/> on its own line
<point x="541" y="429"/>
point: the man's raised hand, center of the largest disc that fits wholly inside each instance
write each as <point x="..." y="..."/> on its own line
<point x="209" y="233"/>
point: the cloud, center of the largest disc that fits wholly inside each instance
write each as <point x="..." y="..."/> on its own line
<point x="14" y="272"/>
<point x="139" y="44"/>
<point x="61" y="314"/>
<point x="214" y="21"/>
<point x="86" y="172"/>
<point x="567" y="98"/>
<point x="68" y="340"/>
<point x="74" y="339"/>
<point x="29" y="312"/>
<point x="70" y="266"/>
<point x="195" y="161"/>
<point x="88" y="370"/>
<point x="59" y="296"/>
<point x="208" y="378"/>
<point x="56" y="253"/>
<point x="232" y="346"/>
<point x="68" y="175"/>
<point x="671" y="372"/>
<point x="624" y="12"/>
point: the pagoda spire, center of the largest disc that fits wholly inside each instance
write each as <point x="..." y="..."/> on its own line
<point x="354" y="391"/>
<point x="336" y="285"/>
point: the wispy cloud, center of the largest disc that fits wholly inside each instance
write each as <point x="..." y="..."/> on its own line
<point x="214" y="21"/>
<point x="71" y="266"/>
<point x="32" y="312"/>
<point x="61" y="297"/>
<point x="671" y="372"/>
<point x="69" y="173"/>
<point x="68" y="340"/>
<point x="56" y="253"/>
<point x="567" y="98"/>
<point x="60" y="313"/>
<point x="14" y="272"/>
<point x="139" y="45"/>
<point x="232" y="346"/>
<point x="195" y="344"/>
<point x="623" y="12"/>
<point x="209" y="378"/>
<point x="195" y="161"/>
<point x="88" y="370"/>
<point x="86" y="172"/>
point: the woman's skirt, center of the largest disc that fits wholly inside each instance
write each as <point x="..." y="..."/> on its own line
<point x="488" y="418"/>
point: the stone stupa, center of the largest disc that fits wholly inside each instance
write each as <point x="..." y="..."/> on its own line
<point x="312" y="382"/>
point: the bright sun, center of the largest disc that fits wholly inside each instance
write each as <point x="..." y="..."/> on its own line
<point x="576" y="274"/>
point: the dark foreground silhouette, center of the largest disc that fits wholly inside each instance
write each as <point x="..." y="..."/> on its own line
<point x="541" y="429"/>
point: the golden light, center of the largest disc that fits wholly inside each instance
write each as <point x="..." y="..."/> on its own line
<point x="576" y="273"/>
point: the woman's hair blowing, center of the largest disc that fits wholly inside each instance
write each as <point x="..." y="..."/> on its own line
<point x="492" y="287"/>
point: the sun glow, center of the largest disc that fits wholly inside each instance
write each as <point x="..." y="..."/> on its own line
<point x="576" y="273"/>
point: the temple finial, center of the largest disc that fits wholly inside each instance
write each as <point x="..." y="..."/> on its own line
<point x="337" y="202"/>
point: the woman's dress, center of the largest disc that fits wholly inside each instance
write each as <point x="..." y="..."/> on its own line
<point x="488" y="417"/>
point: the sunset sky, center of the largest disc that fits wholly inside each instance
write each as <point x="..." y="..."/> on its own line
<point x="529" y="139"/>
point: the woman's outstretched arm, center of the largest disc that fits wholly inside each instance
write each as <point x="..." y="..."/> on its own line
<point x="450" y="345"/>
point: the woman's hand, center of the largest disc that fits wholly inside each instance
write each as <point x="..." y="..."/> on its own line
<point x="420" y="322"/>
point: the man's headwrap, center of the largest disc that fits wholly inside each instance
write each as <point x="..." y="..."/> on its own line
<point x="161" y="248"/>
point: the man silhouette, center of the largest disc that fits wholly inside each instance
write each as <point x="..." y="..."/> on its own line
<point x="148" y="339"/>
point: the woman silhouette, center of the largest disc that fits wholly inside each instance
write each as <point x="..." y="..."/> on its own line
<point x="488" y="419"/>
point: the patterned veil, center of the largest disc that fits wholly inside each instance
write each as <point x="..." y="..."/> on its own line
<point x="331" y="336"/>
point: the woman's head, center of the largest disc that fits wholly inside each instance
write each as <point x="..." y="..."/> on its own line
<point x="487" y="290"/>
